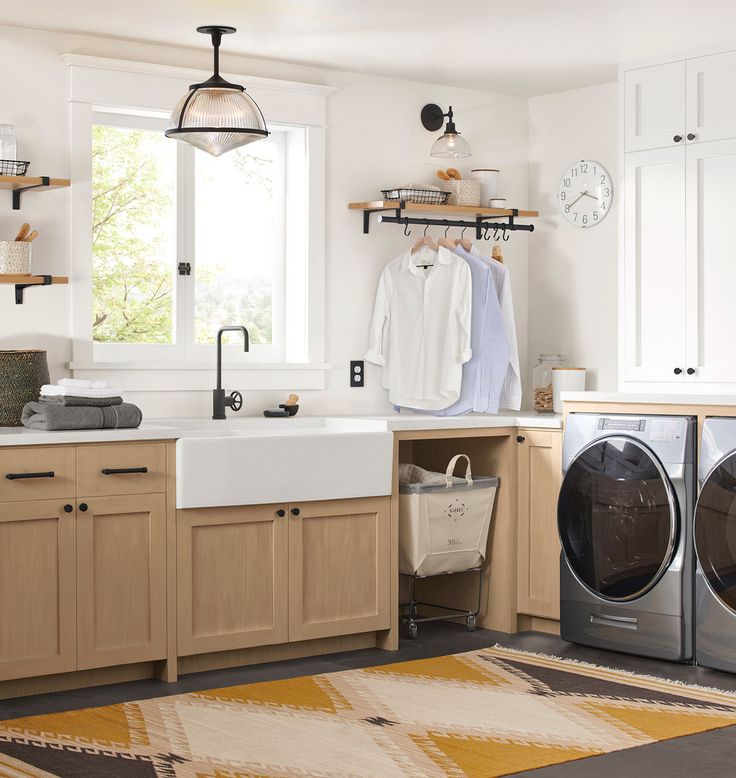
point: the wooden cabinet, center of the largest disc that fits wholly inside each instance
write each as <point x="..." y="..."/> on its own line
<point x="339" y="553"/>
<point x="121" y="579"/>
<point x="38" y="473"/>
<point x="37" y="588"/>
<point x="232" y="578"/>
<point x="539" y="477"/>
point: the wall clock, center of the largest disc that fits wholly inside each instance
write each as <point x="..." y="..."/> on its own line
<point x="585" y="193"/>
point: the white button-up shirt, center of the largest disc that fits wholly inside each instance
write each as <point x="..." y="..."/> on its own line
<point x="420" y="331"/>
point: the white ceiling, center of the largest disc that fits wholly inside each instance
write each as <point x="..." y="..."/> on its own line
<point x="528" y="48"/>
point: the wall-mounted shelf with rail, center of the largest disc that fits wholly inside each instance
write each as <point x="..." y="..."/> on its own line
<point x="481" y="219"/>
<point x="19" y="184"/>
<point x="23" y="282"/>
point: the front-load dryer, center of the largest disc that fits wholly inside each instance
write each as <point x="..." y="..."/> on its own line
<point x="715" y="547"/>
<point x="625" y="521"/>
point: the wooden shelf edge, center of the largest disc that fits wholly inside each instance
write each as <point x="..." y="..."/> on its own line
<point x="34" y="280"/>
<point x="389" y="205"/>
<point x="21" y="182"/>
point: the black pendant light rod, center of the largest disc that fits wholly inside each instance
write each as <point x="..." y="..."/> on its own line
<point x="216" y="31"/>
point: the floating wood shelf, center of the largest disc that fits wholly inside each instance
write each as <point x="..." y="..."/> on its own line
<point x="445" y="215"/>
<point x="19" y="184"/>
<point x="23" y="282"/>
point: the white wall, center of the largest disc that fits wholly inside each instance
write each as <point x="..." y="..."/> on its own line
<point x="375" y="140"/>
<point x="573" y="271"/>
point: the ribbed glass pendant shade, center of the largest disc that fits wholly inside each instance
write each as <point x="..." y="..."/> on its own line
<point x="217" y="120"/>
<point x="216" y="116"/>
<point x="450" y="146"/>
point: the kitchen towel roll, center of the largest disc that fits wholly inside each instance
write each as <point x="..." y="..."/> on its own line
<point x="48" y="416"/>
<point x="96" y="402"/>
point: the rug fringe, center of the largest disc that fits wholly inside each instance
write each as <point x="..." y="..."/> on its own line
<point x="629" y="673"/>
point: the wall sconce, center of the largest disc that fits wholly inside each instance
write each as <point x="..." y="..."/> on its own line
<point x="450" y="144"/>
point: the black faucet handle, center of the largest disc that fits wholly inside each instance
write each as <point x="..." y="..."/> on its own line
<point x="235" y="401"/>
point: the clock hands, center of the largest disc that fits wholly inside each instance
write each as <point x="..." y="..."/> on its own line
<point x="582" y="194"/>
<point x="585" y="194"/>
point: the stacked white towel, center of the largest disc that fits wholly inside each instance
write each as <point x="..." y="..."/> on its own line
<point x="75" y="387"/>
<point x="83" y="383"/>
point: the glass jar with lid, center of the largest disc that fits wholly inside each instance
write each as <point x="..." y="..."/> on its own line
<point x="542" y="381"/>
<point x="8" y="147"/>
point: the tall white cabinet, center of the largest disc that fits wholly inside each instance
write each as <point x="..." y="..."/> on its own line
<point x="678" y="253"/>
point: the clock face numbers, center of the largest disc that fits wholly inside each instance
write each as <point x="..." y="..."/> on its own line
<point x="585" y="193"/>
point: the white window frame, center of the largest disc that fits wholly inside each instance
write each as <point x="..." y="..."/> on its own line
<point x="100" y="86"/>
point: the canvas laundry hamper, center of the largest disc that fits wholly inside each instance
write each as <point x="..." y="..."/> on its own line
<point x="443" y="520"/>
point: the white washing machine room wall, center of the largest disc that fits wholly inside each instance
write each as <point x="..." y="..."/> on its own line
<point x="715" y="547"/>
<point x="625" y="521"/>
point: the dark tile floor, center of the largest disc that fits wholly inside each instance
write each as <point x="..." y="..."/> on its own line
<point x="705" y="755"/>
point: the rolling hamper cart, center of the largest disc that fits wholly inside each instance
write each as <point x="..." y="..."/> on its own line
<point x="443" y="529"/>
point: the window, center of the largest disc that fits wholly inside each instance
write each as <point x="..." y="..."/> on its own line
<point x="158" y="206"/>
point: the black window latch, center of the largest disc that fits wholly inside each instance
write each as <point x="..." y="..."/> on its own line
<point x="184" y="268"/>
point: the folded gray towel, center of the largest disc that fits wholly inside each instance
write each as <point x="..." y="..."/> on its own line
<point x="48" y="416"/>
<point x="94" y="402"/>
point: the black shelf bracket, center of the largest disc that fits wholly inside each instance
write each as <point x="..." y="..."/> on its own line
<point x="45" y="181"/>
<point x="19" y="288"/>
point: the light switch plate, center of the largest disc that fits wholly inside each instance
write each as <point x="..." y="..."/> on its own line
<point x="357" y="373"/>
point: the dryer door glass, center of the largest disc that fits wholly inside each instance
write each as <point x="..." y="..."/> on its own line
<point x="617" y="518"/>
<point x="715" y="530"/>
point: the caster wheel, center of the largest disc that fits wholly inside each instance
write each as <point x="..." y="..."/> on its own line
<point x="413" y="631"/>
<point x="412" y="611"/>
<point x="470" y="623"/>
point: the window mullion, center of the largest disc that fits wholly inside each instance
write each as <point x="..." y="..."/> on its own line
<point x="185" y="329"/>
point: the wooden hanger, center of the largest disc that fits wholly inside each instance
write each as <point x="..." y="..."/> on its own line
<point x="425" y="240"/>
<point x="448" y="243"/>
<point x="464" y="242"/>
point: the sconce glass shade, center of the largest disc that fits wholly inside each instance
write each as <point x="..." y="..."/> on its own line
<point x="451" y="145"/>
<point x="217" y="119"/>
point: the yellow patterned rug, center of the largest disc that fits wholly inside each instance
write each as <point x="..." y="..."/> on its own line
<point x="485" y="713"/>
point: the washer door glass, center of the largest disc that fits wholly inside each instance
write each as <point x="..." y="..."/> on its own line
<point x="715" y="530"/>
<point x="617" y="518"/>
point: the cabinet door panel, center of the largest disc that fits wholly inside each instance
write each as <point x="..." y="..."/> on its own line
<point x="654" y="106"/>
<point x="93" y="460"/>
<point x="539" y="478"/>
<point x="711" y="205"/>
<point x="338" y="558"/>
<point x="711" y="97"/>
<point x="37" y="589"/>
<point x="654" y="305"/>
<point x="232" y="578"/>
<point x="37" y="459"/>
<point x="121" y="574"/>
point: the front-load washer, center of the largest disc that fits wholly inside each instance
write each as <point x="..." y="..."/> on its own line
<point x="715" y="547"/>
<point x="625" y="521"/>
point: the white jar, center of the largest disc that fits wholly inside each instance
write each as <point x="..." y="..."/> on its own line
<point x="488" y="180"/>
<point x="8" y="146"/>
<point x="566" y="379"/>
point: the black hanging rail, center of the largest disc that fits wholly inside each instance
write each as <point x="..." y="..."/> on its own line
<point x="479" y="224"/>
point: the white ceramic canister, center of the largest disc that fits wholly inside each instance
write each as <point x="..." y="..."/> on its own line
<point x="488" y="180"/>
<point x="15" y="257"/>
<point x="566" y="379"/>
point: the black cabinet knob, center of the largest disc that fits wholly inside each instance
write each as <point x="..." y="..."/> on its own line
<point x="691" y="371"/>
<point x="295" y="511"/>
<point x="520" y="438"/>
<point x="83" y="507"/>
<point x="68" y="508"/>
<point x="691" y="136"/>
<point x="281" y="513"/>
<point x="677" y="138"/>
<point x="677" y="370"/>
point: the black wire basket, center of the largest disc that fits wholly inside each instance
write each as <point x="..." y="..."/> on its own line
<point x="421" y="196"/>
<point x="13" y="167"/>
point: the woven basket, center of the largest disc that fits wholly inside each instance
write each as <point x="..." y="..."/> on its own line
<point x="22" y="374"/>
<point x="15" y="257"/>
<point x="463" y="192"/>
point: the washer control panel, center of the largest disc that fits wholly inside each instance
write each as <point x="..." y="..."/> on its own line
<point x="622" y="424"/>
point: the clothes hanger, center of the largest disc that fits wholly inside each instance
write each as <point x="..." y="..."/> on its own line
<point x="448" y="243"/>
<point x="425" y="240"/>
<point x="461" y="241"/>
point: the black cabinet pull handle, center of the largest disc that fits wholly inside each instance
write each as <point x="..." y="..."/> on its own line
<point x="520" y="438"/>
<point x="18" y="476"/>
<point x="690" y="370"/>
<point x="677" y="370"/>
<point x="295" y="511"/>
<point x="83" y="507"/>
<point x="691" y="136"/>
<point x="281" y="513"/>
<point x="68" y="508"/>
<point x="122" y="470"/>
<point x="677" y="138"/>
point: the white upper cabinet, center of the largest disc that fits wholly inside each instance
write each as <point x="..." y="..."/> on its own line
<point x="654" y="284"/>
<point x="711" y="98"/>
<point x="654" y="106"/>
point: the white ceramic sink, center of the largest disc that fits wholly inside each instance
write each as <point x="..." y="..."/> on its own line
<point x="256" y="460"/>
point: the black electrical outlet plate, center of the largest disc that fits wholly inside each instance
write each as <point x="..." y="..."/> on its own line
<point x="357" y="373"/>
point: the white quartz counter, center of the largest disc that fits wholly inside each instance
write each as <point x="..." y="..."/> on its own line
<point x="174" y="429"/>
<point x="646" y="399"/>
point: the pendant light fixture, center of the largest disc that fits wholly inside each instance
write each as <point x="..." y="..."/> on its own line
<point x="216" y="116"/>
<point x="450" y="145"/>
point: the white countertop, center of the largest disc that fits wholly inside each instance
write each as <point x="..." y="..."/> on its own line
<point x="643" y="399"/>
<point x="174" y="429"/>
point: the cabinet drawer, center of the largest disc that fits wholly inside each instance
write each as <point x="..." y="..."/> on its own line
<point x="38" y="473"/>
<point x="126" y="469"/>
